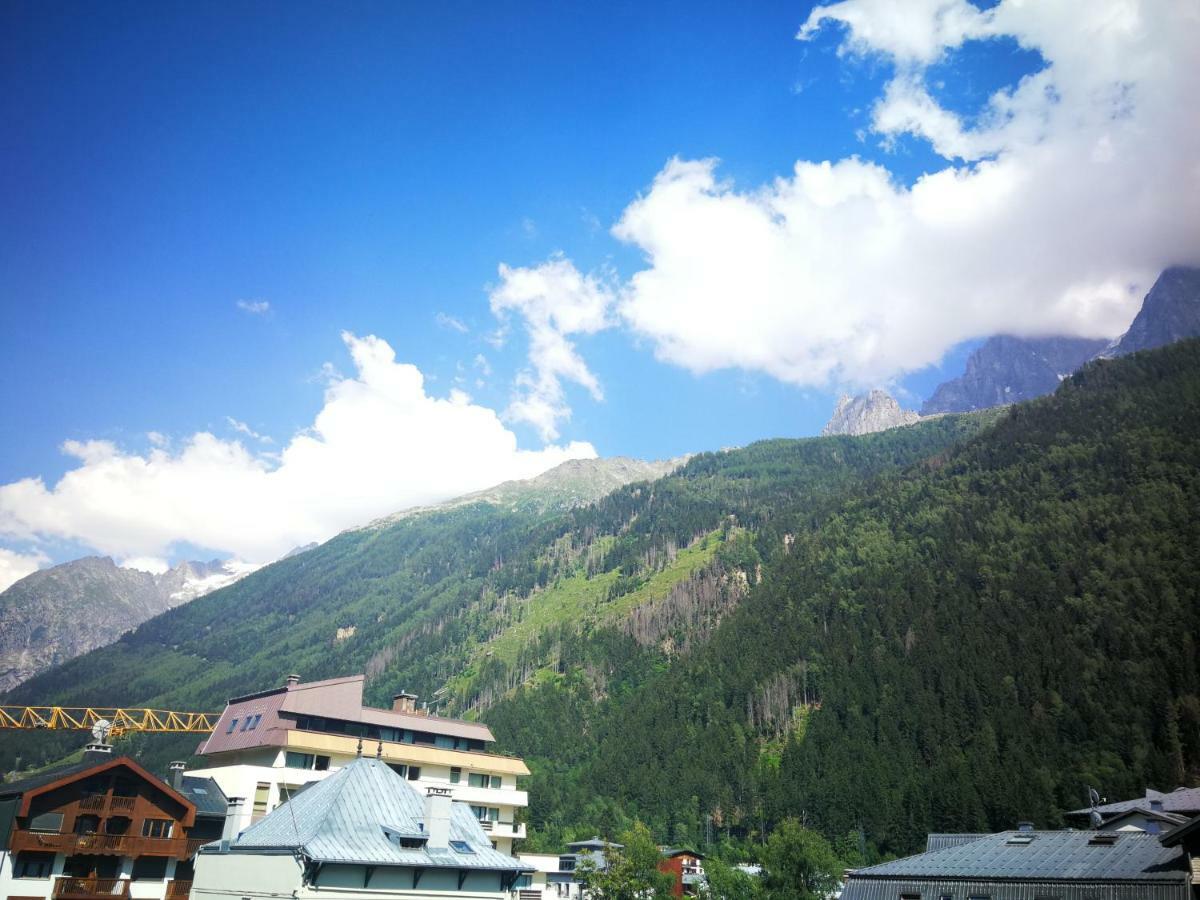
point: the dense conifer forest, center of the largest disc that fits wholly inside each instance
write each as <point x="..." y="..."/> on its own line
<point x="950" y="626"/>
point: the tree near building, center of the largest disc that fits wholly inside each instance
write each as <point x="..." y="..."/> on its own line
<point x="799" y="864"/>
<point x="630" y="873"/>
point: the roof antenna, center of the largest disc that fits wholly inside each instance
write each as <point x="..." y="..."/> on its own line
<point x="379" y="751"/>
<point x="360" y="748"/>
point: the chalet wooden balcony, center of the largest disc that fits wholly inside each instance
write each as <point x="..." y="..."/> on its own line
<point x="179" y="890"/>
<point x="106" y="844"/>
<point x="90" y="888"/>
<point x="101" y="803"/>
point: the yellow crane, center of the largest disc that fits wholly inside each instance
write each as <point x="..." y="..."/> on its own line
<point x="106" y="721"/>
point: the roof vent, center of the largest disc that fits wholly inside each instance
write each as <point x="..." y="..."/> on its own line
<point x="1024" y="826"/>
<point x="291" y="681"/>
<point x="1104" y="838"/>
<point x="1156" y="805"/>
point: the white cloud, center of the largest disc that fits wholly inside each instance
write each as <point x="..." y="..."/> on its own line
<point x="450" y="323"/>
<point x="1057" y="204"/>
<point x="380" y="443"/>
<point x="555" y="300"/>
<point x="254" y="307"/>
<point x="243" y="428"/>
<point x="14" y="566"/>
<point x="155" y="565"/>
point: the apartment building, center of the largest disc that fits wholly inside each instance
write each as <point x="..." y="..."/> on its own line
<point x="104" y="827"/>
<point x="268" y="746"/>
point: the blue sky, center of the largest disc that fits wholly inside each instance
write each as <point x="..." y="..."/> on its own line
<point x="168" y="169"/>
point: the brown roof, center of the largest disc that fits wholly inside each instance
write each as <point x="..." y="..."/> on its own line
<point x="32" y="787"/>
<point x="334" y="698"/>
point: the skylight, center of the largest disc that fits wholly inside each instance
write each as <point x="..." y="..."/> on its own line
<point x="461" y="847"/>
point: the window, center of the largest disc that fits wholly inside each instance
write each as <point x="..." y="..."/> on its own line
<point x="262" y="795"/>
<point x="486" y="813"/>
<point x="149" y="868"/>
<point x="232" y="725"/>
<point x="87" y="824"/>
<point x="157" y="828"/>
<point x="399" y="768"/>
<point x="414" y="772"/>
<point x="50" y="822"/>
<point x="117" y="825"/>
<point x="254" y="722"/>
<point x="294" y="760"/>
<point x="461" y="847"/>
<point x="322" y="764"/>
<point x="455" y="775"/>
<point x="33" y="865"/>
<point x="482" y="780"/>
<point x="1153" y="828"/>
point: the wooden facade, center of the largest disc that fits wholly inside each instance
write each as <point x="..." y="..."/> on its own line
<point x="95" y="830"/>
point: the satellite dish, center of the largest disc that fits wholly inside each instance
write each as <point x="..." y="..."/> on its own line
<point x="101" y="730"/>
<point x="1094" y="796"/>
<point x="1095" y="819"/>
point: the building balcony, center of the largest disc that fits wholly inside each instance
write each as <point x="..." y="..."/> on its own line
<point x="515" y="830"/>
<point x="105" y="844"/>
<point x="179" y="890"/>
<point x="90" y="888"/>
<point x="480" y="796"/>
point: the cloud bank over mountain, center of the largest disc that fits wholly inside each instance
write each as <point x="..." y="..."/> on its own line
<point x="1057" y="204"/>
<point x="380" y="443"/>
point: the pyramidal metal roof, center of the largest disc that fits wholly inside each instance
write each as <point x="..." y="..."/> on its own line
<point x="356" y="816"/>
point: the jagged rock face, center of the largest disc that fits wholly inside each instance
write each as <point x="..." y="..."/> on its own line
<point x="64" y="611"/>
<point x="1170" y="312"/>
<point x="1009" y="369"/>
<point x="868" y="413"/>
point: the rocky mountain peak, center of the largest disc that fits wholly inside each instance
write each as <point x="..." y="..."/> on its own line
<point x="867" y="413"/>
<point x="1170" y="312"/>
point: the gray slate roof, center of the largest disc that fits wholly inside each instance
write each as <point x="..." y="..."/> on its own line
<point x="205" y="793"/>
<point x="1049" y="856"/>
<point x="342" y="819"/>
<point x="1181" y="800"/>
<point x="936" y="841"/>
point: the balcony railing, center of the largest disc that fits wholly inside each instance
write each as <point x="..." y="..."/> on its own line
<point x="179" y="890"/>
<point x="115" y="844"/>
<point x="90" y="888"/>
<point x="122" y="804"/>
<point x="92" y="802"/>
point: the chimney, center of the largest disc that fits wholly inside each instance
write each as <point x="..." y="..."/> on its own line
<point x="1024" y="826"/>
<point x="291" y="681"/>
<point x="437" y="817"/>
<point x="404" y="702"/>
<point x="176" y="769"/>
<point x="233" y="812"/>
<point x="97" y="752"/>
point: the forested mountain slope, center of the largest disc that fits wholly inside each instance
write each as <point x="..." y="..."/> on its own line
<point x="986" y="633"/>
<point x="948" y="626"/>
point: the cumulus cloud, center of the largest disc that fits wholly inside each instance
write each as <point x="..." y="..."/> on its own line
<point x="1054" y="209"/>
<point x="380" y="443"/>
<point x="555" y="300"/>
<point x="14" y="566"/>
<point x="254" y="307"/>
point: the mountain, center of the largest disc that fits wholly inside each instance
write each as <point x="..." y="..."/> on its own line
<point x="1170" y="312"/>
<point x="1009" y="369"/>
<point x="576" y="482"/>
<point x="945" y="627"/>
<point x="868" y="413"/>
<point x="58" y="613"/>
